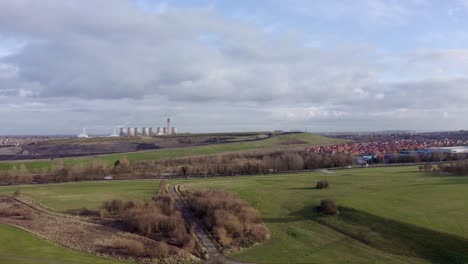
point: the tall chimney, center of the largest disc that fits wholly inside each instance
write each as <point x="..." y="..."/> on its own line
<point x="168" y="126"/>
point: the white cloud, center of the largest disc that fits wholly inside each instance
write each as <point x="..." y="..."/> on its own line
<point x="80" y="66"/>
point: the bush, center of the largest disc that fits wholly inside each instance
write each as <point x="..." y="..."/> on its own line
<point x="84" y="212"/>
<point x="17" y="193"/>
<point x="160" y="250"/>
<point x="16" y="212"/>
<point x="322" y="184"/>
<point x="328" y="207"/>
<point x="121" y="246"/>
<point x="231" y="220"/>
<point x="158" y="219"/>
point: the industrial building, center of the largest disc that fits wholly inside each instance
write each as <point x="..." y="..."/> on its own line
<point x="454" y="150"/>
<point x="148" y="131"/>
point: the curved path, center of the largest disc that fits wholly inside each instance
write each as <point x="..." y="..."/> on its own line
<point x="213" y="248"/>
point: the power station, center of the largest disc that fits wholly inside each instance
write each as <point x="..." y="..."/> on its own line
<point x="148" y="131"/>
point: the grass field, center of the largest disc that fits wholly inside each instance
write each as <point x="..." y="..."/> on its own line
<point x="61" y="197"/>
<point x="20" y="247"/>
<point x="388" y="215"/>
<point x="271" y="143"/>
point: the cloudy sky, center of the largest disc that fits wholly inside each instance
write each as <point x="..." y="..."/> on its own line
<point x="212" y="65"/>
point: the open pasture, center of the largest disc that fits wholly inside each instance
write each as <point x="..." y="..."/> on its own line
<point x="388" y="215"/>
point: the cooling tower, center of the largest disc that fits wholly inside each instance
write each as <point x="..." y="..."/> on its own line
<point x="152" y="132"/>
<point x="137" y="131"/>
<point x="146" y="131"/>
<point x="173" y="130"/>
<point x="131" y="132"/>
<point x="123" y="132"/>
<point x="160" y="131"/>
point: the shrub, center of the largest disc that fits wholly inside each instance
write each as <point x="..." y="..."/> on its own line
<point x="231" y="220"/>
<point x="16" y="212"/>
<point x="159" y="251"/>
<point x="114" y="207"/>
<point x="328" y="207"/>
<point x="17" y="193"/>
<point x="121" y="246"/>
<point x="322" y="184"/>
<point x="158" y="219"/>
<point x="84" y="212"/>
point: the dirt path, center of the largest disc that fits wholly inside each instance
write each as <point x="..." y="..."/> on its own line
<point x="214" y="250"/>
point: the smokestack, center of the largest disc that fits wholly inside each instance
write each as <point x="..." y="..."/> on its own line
<point x="168" y="126"/>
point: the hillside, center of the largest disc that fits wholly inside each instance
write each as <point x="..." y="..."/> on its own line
<point x="281" y="141"/>
<point x="388" y="215"/>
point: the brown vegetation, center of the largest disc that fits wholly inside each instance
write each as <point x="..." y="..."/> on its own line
<point x="458" y="168"/>
<point x="222" y="164"/>
<point x="14" y="211"/>
<point x="230" y="220"/>
<point x="121" y="246"/>
<point x="328" y="207"/>
<point x="322" y="184"/>
<point x="158" y="219"/>
<point x="87" y="236"/>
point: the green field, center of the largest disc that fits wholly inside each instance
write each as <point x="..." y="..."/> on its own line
<point x="388" y="215"/>
<point x="271" y="143"/>
<point x="62" y="197"/>
<point x="20" y="247"/>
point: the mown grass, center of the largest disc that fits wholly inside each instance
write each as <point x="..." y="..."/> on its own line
<point x="274" y="142"/>
<point x="91" y="195"/>
<point x="406" y="203"/>
<point x="388" y="215"/>
<point x="20" y="247"/>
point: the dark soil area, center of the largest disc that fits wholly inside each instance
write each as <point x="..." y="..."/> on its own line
<point x="75" y="147"/>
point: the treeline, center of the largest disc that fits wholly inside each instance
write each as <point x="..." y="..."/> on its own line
<point x="231" y="221"/>
<point x="222" y="164"/>
<point x="59" y="172"/>
<point x="457" y="168"/>
<point x="426" y="157"/>
<point x="245" y="163"/>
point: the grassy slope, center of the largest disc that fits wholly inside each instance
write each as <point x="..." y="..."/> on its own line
<point x="20" y="247"/>
<point x="61" y="197"/>
<point x="395" y="209"/>
<point x="270" y="143"/>
<point x="420" y="205"/>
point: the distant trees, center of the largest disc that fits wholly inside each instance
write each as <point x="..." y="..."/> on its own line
<point x="254" y="162"/>
<point x="426" y="157"/>
<point x="458" y="168"/>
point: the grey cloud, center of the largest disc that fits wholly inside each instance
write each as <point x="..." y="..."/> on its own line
<point x="206" y="71"/>
<point x="76" y="52"/>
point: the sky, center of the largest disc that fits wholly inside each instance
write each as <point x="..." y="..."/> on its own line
<point x="215" y="66"/>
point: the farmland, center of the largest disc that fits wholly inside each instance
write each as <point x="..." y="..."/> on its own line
<point x="388" y="215"/>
